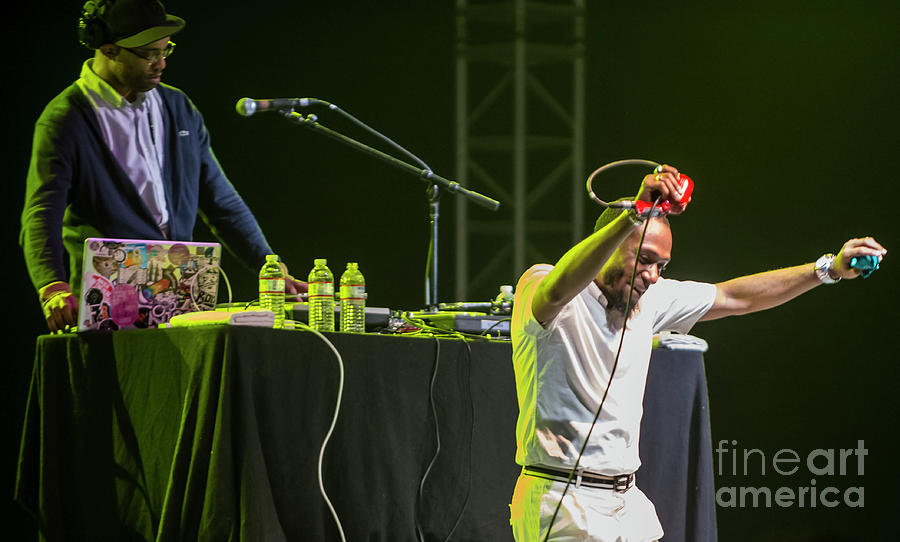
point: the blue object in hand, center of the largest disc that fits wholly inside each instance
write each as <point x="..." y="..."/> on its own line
<point x="866" y="264"/>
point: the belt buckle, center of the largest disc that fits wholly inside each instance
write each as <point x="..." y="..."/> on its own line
<point x="621" y="483"/>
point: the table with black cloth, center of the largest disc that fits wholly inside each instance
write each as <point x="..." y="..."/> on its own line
<point x="213" y="433"/>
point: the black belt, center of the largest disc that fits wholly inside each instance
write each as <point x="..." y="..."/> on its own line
<point x="619" y="484"/>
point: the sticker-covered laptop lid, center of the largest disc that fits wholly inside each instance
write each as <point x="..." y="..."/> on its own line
<point x="130" y="283"/>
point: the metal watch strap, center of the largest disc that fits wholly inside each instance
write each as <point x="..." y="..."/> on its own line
<point x="823" y="266"/>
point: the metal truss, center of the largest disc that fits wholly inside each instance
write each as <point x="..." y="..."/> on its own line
<point x="520" y="99"/>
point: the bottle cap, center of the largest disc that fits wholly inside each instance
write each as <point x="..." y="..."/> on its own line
<point x="320" y="261"/>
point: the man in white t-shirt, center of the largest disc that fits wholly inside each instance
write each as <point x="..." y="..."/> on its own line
<point x="567" y="333"/>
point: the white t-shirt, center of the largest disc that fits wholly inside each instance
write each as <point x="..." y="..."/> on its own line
<point x="562" y="371"/>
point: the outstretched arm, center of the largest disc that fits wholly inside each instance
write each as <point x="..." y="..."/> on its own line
<point x="762" y="291"/>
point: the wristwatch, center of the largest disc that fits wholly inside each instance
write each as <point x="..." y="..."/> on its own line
<point x="823" y="266"/>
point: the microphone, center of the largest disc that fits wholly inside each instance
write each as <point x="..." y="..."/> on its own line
<point x="248" y="106"/>
<point x="865" y="264"/>
<point x="646" y="209"/>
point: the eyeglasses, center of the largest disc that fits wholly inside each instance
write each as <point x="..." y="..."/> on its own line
<point x="153" y="55"/>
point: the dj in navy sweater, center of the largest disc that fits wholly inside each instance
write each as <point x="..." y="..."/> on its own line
<point x="117" y="154"/>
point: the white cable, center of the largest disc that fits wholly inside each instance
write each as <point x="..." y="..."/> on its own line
<point x="193" y="282"/>
<point x="611" y="165"/>
<point x="337" y="407"/>
<point x="227" y="286"/>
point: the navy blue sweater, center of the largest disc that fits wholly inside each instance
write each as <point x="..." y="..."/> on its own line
<point x="76" y="189"/>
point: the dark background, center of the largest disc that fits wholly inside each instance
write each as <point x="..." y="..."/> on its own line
<point x="783" y="113"/>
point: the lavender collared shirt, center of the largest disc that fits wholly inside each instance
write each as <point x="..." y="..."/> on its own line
<point x="133" y="132"/>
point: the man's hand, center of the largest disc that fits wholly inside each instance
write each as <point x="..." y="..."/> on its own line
<point x="293" y="286"/>
<point x="663" y="185"/>
<point x="855" y="248"/>
<point x="60" y="306"/>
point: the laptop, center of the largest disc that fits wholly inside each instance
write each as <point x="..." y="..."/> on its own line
<point x="129" y="283"/>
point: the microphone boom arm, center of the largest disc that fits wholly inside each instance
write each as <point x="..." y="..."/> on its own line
<point x="428" y="176"/>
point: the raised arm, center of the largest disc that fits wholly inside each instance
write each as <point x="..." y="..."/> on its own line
<point x="577" y="268"/>
<point x="762" y="291"/>
<point x="583" y="262"/>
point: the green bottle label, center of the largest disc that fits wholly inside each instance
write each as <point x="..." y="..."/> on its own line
<point x="271" y="286"/>
<point x="317" y="289"/>
<point x="353" y="291"/>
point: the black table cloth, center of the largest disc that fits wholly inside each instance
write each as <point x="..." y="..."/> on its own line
<point x="213" y="433"/>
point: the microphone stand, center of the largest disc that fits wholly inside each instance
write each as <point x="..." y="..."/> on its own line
<point x="435" y="184"/>
<point x="433" y="192"/>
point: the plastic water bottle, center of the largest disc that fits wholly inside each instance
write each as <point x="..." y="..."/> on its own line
<point x="321" y="297"/>
<point x="271" y="289"/>
<point x="503" y="302"/>
<point x="353" y="300"/>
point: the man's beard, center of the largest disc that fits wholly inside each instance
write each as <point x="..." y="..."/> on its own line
<point x="617" y="299"/>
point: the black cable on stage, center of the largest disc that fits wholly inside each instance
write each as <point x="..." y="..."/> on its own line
<point x="420" y="494"/>
<point x="376" y="133"/>
<point x="420" y="323"/>
<point x="495" y="324"/>
<point x="611" y="374"/>
<point x="437" y="436"/>
<point x="471" y="439"/>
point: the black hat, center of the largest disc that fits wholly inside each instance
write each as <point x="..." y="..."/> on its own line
<point x="132" y="23"/>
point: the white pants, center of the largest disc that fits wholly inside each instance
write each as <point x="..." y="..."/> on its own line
<point x="586" y="514"/>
